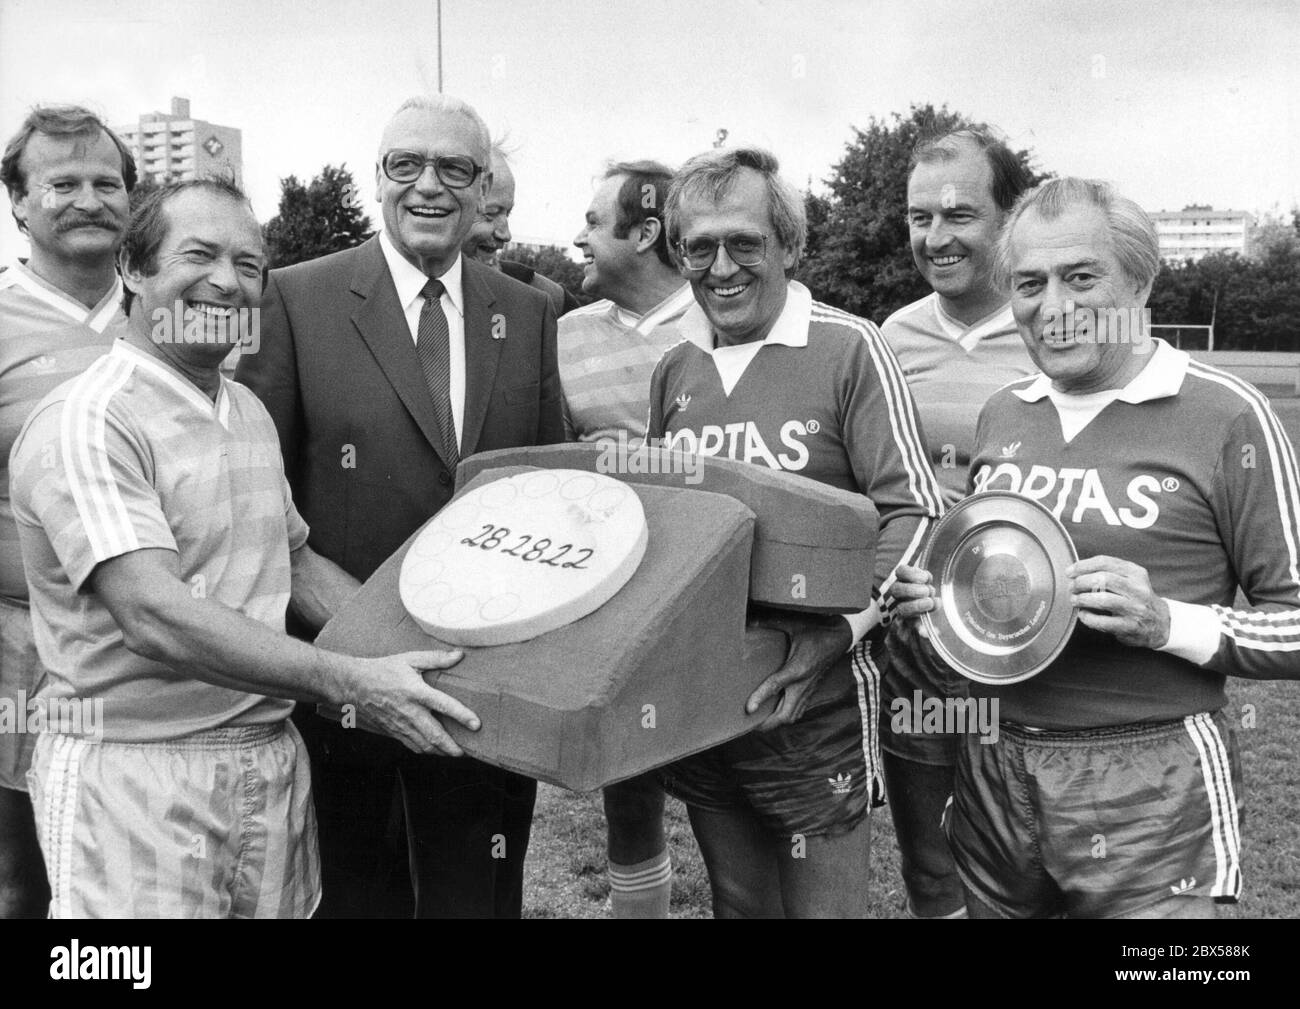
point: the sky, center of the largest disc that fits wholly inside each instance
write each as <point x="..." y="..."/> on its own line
<point x="1175" y="101"/>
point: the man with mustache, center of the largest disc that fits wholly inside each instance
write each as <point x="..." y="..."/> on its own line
<point x="68" y="178"/>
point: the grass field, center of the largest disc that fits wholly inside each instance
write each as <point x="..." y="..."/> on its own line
<point x="565" y="875"/>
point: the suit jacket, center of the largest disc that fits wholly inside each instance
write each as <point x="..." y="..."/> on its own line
<point x="338" y="371"/>
<point x="561" y="300"/>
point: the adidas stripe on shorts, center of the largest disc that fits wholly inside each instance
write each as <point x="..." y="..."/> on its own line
<point x="1098" y="823"/>
<point x="817" y="776"/>
<point x="218" y="824"/>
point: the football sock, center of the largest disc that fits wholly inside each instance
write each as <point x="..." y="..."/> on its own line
<point x="642" y="890"/>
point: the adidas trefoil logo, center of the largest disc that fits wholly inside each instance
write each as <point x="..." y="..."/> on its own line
<point x="840" y="783"/>
<point x="44" y="363"/>
<point x="1183" y="886"/>
<point x="683" y="401"/>
<point x="1009" y="451"/>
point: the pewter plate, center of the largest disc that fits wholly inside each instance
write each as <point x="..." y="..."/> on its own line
<point x="1004" y="611"/>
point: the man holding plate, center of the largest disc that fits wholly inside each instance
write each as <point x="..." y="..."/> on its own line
<point x="1112" y="788"/>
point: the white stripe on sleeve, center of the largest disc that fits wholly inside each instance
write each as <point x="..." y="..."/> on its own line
<point x="85" y="453"/>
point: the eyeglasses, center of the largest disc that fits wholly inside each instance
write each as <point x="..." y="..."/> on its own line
<point x="745" y="248"/>
<point x="453" y="170"/>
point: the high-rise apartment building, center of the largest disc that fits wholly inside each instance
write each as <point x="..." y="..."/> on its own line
<point x="176" y="146"/>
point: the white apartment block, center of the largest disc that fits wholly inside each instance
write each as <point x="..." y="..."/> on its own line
<point x="1197" y="231"/>
<point x="176" y="146"/>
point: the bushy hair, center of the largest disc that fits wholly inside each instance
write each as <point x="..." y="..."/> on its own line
<point x="57" y="121"/>
<point x="1134" y="236"/>
<point x="710" y="176"/>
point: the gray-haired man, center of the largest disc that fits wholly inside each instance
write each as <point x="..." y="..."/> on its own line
<point x="383" y="366"/>
<point x="1113" y="786"/>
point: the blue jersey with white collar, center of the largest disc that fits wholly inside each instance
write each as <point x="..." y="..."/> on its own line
<point x="822" y="396"/>
<point x="1186" y="472"/>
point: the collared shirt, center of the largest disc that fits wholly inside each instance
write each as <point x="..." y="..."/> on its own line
<point x="789" y="330"/>
<point x="1193" y="629"/>
<point x="1161" y="376"/>
<point x="605" y="364"/>
<point x="1186" y="472"/>
<point x="409" y="282"/>
<point x="822" y="396"/>
<point x="46" y="338"/>
<point x="130" y="456"/>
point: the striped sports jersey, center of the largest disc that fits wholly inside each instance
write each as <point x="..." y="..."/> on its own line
<point x="132" y="456"/>
<point x="1186" y="472"/>
<point x="605" y="365"/>
<point x="46" y="338"/>
<point x="822" y="396"/>
<point x="952" y="370"/>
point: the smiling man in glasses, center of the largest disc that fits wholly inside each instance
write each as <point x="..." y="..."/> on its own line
<point x="768" y="376"/>
<point x="382" y="366"/>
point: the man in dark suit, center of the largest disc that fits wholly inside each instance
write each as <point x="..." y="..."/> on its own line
<point x="382" y="366"/>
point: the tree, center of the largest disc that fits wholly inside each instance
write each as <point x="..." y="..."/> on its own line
<point x="550" y="261"/>
<point x="1253" y="301"/>
<point x="817" y="209"/>
<point x="316" y="219"/>
<point x="858" y="256"/>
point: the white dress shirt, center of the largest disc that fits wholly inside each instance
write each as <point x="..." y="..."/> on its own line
<point x="409" y="282"/>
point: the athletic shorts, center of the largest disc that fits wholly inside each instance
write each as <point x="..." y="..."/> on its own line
<point x="219" y="824"/>
<point x="817" y="776"/>
<point x="20" y="675"/>
<point x="1098" y="823"/>
<point x="910" y="680"/>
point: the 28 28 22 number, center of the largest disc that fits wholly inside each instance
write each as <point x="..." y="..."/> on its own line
<point x="490" y="537"/>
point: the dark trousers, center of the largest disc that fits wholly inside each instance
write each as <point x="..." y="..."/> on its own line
<point x="466" y="825"/>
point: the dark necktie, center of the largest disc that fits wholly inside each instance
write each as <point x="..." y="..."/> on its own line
<point x="433" y="345"/>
